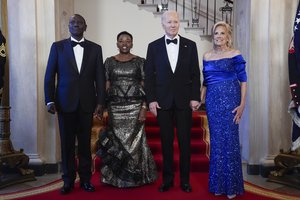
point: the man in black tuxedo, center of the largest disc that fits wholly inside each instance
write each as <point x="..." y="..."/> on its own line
<point x="75" y="88"/>
<point x="172" y="84"/>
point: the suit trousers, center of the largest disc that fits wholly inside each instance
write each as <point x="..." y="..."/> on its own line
<point x="182" y="120"/>
<point x="72" y="126"/>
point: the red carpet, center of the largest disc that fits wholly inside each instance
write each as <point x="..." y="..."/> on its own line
<point x="199" y="143"/>
<point x="199" y="146"/>
<point x="199" y="182"/>
<point x="199" y="176"/>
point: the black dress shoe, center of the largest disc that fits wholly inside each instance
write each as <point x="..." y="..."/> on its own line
<point x="67" y="188"/>
<point x="87" y="187"/>
<point x="165" y="187"/>
<point x="186" y="187"/>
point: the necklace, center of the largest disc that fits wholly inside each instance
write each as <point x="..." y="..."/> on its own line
<point x="220" y="51"/>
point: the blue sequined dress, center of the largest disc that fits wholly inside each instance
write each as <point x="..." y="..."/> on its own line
<point x="223" y="94"/>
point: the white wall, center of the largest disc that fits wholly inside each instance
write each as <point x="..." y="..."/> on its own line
<point x="106" y="18"/>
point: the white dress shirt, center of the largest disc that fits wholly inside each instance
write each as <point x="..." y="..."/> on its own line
<point x="172" y="50"/>
<point x="78" y="52"/>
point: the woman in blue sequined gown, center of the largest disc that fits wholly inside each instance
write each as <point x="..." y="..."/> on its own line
<point x="126" y="159"/>
<point x="224" y="91"/>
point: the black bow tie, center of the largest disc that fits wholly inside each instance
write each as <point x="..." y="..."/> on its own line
<point x="170" y="41"/>
<point x="73" y="43"/>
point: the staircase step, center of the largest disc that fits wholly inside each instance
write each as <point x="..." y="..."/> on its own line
<point x="198" y="118"/>
<point x="153" y="132"/>
<point x="149" y="7"/>
<point x="195" y="30"/>
<point x="199" y="158"/>
<point x="199" y="163"/>
<point x="197" y="147"/>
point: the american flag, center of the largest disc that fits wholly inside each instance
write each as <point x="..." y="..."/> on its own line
<point x="297" y="35"/>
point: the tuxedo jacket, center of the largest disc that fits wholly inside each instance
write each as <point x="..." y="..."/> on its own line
<point x="68" y="88"/>
<point x="166" y="87"/>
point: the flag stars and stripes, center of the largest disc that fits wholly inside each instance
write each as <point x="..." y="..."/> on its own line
<point x="297" y="36"/>
<point x="297" y="20"/>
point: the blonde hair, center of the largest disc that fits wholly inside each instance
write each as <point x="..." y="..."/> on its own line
<point x="228" y="31"/>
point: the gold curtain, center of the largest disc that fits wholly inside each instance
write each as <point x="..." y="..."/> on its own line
<point x="4" y="27"/>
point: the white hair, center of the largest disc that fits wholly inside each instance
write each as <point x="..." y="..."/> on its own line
<point x="168" y="12"/>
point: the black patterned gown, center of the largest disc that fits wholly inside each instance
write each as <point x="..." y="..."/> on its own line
<point x="126" y="158"/>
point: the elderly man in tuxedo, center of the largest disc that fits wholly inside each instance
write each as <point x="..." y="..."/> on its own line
<point x="172" y="85"/>
<point x="75" y="89"/>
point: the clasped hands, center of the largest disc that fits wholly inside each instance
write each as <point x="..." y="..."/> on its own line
<point x="195" y="105"/>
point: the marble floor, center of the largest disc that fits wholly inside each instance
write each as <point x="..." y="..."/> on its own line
<point x="41" y="180"/>
<point x="254" y="179"/>
<point x="264" y="183"/>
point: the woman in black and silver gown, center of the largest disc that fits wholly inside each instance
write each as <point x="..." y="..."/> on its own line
<point x="126" y="158"/>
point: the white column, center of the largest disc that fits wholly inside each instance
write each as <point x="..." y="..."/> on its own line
<point x="48" y="134"/>
<point x="242" y="42"/>
<point x="282" y="15"/>
<point x="32" y="27"/>
<point x="264" y="41"/>
<point x="23" y="66"/>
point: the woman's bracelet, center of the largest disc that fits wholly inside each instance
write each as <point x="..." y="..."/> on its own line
<point x="145" y="107"/>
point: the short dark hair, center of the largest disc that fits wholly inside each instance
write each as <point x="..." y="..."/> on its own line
<point x="78" y="15"/>
<point x="124" y="33"/>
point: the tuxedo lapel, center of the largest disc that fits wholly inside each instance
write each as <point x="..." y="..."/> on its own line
<point x="182" y="50"/>
<point x="70" y="54"/>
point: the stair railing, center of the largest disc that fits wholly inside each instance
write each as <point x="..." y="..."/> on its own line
<point x="202" y="14"/>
